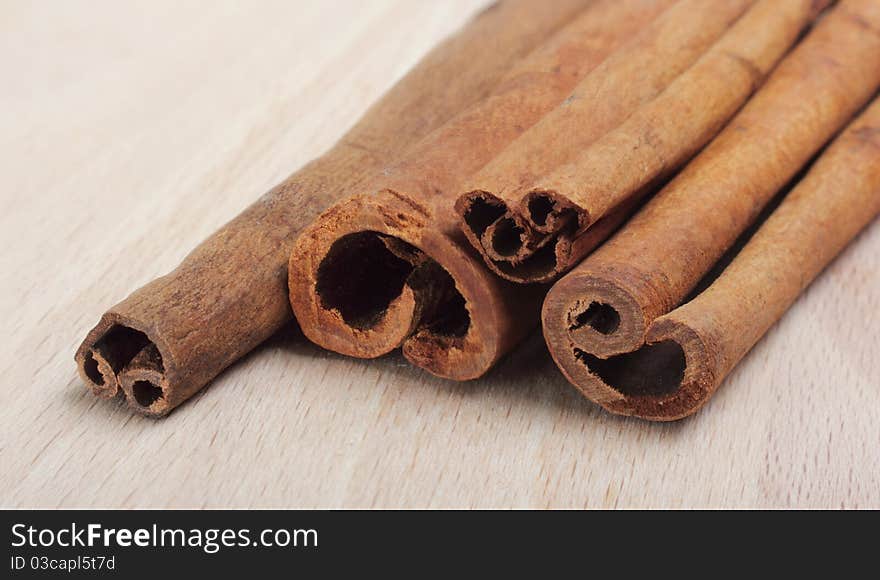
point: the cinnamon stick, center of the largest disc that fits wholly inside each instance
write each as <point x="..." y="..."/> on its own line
<point x="605" y="321"/>
<point x="168" y="339"/>
<point x="527" y="213"/>
<point x="696" y="345"/>
<point x="389" y="268"/>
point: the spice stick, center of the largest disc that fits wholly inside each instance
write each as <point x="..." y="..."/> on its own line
<point x="389" y="268"/>
<point x="168" y="339"/>
<point x="541" y="210"/>
<point x="606" y="306"/>
<point x="691" y="350"/>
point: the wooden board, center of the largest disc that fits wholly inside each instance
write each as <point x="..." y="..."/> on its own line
<point x="132" y="130"/>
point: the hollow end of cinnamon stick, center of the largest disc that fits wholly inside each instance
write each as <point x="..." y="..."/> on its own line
<point x="371" y="275"/>
<point x="528" y="246"/>
<point x="597" y="332"/>
<point x="549" y="213"/>
<point x="119" y="357"/>
<point x="668" y="377"/>
<point x="597" y="314"/>
<point x="505" y="239"/>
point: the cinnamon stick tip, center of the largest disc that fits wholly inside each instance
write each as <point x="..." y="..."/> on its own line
<point x="147" y="394"/>
<point x="550" y="212"/>
<point x="478" y="210"/>
<point x="117" y="356"/>
<point x="364" y="281"/>
<point x="96" y="373"/>
<point x="505" y="238"/>
<point x="668" y="378"/>
<point x="596" y="313"/>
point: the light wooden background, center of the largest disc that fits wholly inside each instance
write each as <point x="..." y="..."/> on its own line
<point x="129" y="131"/>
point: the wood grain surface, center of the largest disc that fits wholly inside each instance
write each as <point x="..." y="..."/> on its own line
<point x="131" y="130"/>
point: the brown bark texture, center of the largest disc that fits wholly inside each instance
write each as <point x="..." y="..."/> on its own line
<point x="389" y="268"/>
<point x="170" y="338"/>
<point x="612" y="324"/>
<point x="528" y="212"/>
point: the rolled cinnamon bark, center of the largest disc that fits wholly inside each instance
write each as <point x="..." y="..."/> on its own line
<point x="543" y="205"/>
<point x="168" y="339"/>
<point x="389" y="268"/>
<point x="604" y="322"/>
<point x="689" y="351"/>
